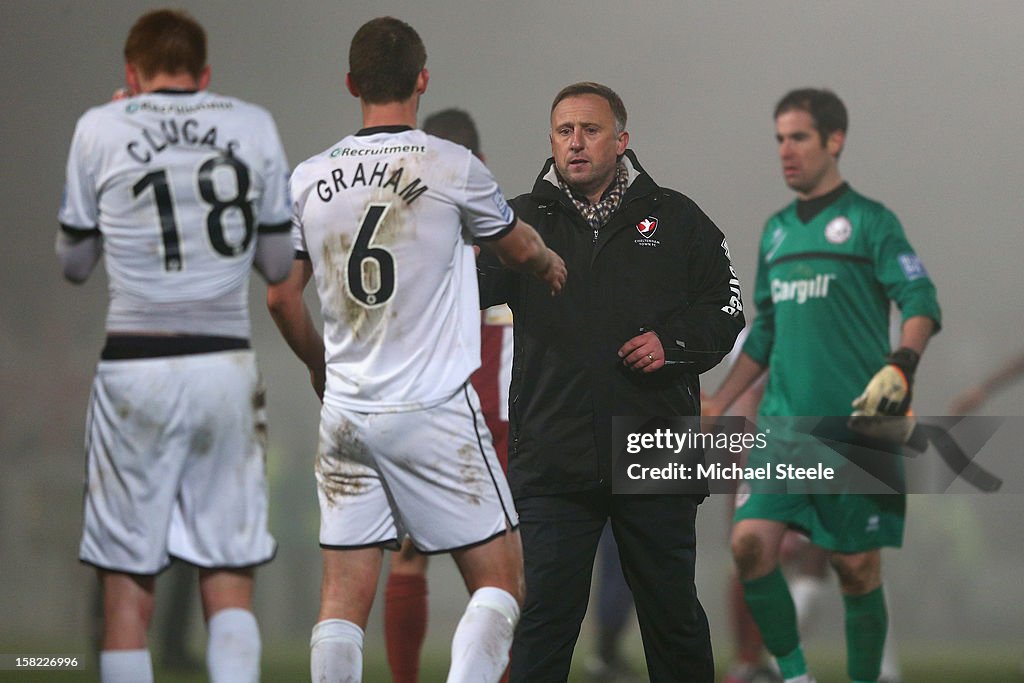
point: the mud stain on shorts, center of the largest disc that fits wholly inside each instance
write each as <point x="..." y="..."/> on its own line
<point x="339" y="471"/>
<point x="470" y="474"/>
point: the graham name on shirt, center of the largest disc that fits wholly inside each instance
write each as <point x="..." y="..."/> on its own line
<point x="382" y="176"/>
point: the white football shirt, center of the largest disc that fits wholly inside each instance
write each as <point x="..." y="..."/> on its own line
<point x="178" y="184"/>
<point x="387" y="217"/>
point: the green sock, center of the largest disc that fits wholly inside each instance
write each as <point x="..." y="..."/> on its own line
<point x="866" y="623"/>
<point x="772" y="607"/>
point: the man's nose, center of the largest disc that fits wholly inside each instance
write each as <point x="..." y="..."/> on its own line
<point x="576" y="139"/>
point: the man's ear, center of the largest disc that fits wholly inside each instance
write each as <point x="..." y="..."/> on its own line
<point x="204" y="77"/>
<point x="351" y="86"/>
<point x="835" y="142"/>
<point x="131" y="79"/>
<point x="421" y="81"/>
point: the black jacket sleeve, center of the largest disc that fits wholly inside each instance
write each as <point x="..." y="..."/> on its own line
<point x="701" y="332"/>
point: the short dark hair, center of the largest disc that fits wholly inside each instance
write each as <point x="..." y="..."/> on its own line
<point x="824" y="106"/>
<point x="385" y="59"/>
<point x="166" y="41"/>
<point x="455" y="125"/>
<point x="591" y="88"/>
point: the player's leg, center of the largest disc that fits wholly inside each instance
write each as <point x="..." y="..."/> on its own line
<point x="748" y="657"/>
<point x="233" y="642"/>
<point x="178" y="600"/>
<point x="860" y="580"/>
<point x="755" y="549"/>
<point x="807" y="566"/>
<point x="450" y="494"/>
<point x="356" y="523"/>
<point x="493" y="573"/>
<point x="132" y="477"/>
<point x="560" y="536"/>
<point x="405" y="612"/>
<point x="656" y="537"/>
<point x="127" y="609"/>
<point x="220" y="520"/>
<point x="346" y="595"/>
<point x="891" y="672"/>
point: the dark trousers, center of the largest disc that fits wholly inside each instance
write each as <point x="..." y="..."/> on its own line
<point x="657" y="549"/>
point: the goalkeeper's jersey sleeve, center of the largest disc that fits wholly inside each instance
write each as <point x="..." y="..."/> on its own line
<point x="823" y="292"/>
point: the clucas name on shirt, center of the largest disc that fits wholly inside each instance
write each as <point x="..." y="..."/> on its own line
<point x="174" y="133"/>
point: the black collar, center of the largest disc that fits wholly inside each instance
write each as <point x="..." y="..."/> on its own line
<point x="384" y="129"/>
<point x="807" y="209"/>
<point x="173" y="91"/>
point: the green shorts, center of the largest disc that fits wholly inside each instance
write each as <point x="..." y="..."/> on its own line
<point x="841" y="521"/>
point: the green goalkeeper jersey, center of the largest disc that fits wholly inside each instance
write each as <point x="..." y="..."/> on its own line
<point x="823" y="293"/>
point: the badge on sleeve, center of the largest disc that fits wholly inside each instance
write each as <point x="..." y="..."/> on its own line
<point x="912" y="266"/>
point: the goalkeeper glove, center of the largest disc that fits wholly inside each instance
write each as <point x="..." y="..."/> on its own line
<point x="889" y="391"/>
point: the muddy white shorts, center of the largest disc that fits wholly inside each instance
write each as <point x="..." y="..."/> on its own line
<point x="431" y="474"/>
<point x="176" y="464"/>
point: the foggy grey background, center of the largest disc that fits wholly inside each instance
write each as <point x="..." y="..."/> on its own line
<point x="935" y="100"/>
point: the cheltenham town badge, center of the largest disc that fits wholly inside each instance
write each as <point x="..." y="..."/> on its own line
<point x="647" y="226"/>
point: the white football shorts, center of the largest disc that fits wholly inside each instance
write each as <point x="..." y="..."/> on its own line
<point x="431" y="474"/>
<point x="176" y="464"/>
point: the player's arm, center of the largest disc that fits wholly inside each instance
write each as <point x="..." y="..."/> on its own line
<point x="79" y="242"/>
<point x="273" y="257"/>
<point x="973" y="398"/>
<point x="288" y="309"/>
<point x="744" y="372"/>
<point x="523" y="250"/>
<point x="906" y="282"/>
<point x="78" y="252"/>
<point x="274" y="246"/>
<point x="916" y="332"/>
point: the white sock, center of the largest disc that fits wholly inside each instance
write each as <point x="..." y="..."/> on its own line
<point x="805" y="678"/>
<point x="125" y="666"/>
<point x="807" y="592"/>
<point x="336" y="652"/>
<point x="891" y="670"/>
<point x="483" y="637"/>
<point x="233" y="647"/>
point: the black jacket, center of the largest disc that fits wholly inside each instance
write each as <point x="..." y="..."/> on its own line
<point x="567" y="380"/>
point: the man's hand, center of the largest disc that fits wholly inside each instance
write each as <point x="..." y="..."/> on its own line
<point x="643" y="352"/>
<point x="889" y="391"/>
<point x="555" y="274"/>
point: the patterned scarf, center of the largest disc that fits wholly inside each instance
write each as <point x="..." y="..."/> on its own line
<point x="598" y="214"/>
